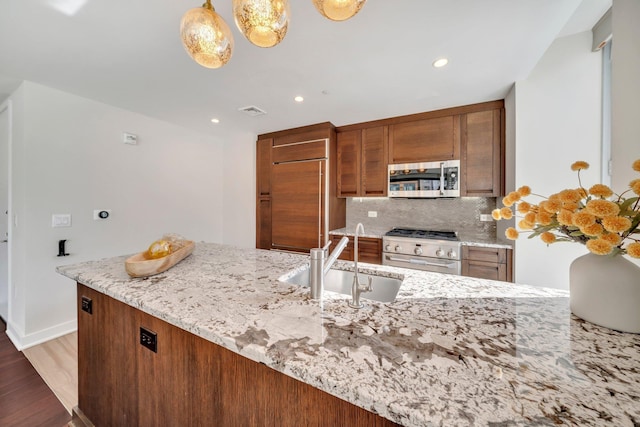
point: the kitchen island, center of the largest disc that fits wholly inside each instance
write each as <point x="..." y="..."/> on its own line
<point x="449" y="351"/>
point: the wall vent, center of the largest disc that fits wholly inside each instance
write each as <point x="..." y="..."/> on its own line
<point x="252" y="111"/>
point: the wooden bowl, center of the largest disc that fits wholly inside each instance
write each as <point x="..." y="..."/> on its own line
<point x="139" y="266"/>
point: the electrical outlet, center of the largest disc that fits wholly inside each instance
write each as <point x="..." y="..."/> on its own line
<point x="87" y="305"/>
<point x="486" y="217"/>
<point x="149" y="339"/>
<point x="372" y="214"/>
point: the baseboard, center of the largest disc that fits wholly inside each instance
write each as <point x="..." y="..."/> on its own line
<point x="79" y="419"/>
<point x="22" y="341"/>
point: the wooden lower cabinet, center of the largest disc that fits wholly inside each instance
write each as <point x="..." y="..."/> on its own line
<point x="369" y="249"/>
<point x="189" y="381"/>
<point x="487" y="263"/>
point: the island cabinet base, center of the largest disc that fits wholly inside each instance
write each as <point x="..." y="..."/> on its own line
<point x="187" y="381"/>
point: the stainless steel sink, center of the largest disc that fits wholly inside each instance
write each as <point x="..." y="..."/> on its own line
<point x="385" y="289"/>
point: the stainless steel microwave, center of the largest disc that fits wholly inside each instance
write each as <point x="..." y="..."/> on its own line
<point x="424" y="180"/>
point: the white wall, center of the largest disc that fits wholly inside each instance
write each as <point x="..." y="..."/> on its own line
<point x="68" y="157"/>
<point x="558" y="121"/>
<point x="625" y="96"/>
<point x="239" y="186"/>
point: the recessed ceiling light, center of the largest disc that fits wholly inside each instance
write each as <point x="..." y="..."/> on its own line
<point x="440" y="62"/>
<point x="298" y="98"/>
<point x="214" y="120"/>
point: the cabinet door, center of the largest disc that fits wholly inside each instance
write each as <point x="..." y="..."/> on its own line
<point x="370" y="250"/>
<point x="107" y="380"/>
<point x="423" y="140"/>
<point x="263" y="220"/>
<point x="297" y="205"/>
<point x="375" y="159"/>
<point x="482" y="157"/>
<point x="349" y="163"/>
<point x="487" y="263"/>
<point x="263" y="167"/>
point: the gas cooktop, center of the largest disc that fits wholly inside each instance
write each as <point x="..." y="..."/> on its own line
<point x="416" y="233"/>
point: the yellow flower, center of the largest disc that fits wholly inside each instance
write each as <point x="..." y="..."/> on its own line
<point x="507" y="201"/>
<point x="572" y="207"/>
<point x="524" y="191"/>
<point x="579" y="165"/>
<point x="495" y="214"/>
<point x="594" y="229"/>
<point x="602" y="208"/>
<point x="511" y="233"/>
<point x="599" y="246"/>
<point x="548" y="237"/>
<point x="570" y="196"/>
<point x="601" y="190"/>
<point x="635" y="186"/>
<point x="524" y="207"/>
<point x="612" y="238"/>
<point x="514" y="196"/>
<point x="583" y="219"/>
<point x="636" y="165"/>
<point x="525" y="225"/>
<point x="565" y="217"/>
<point x="544" y="218"/>
<point x="553" y="206"/>
<point x="616" y="224"/>
<point x="633" y="250"/>
<point x="582" y="193"/>
<point x="530" y="218"/>
<point x="506" y="213"/>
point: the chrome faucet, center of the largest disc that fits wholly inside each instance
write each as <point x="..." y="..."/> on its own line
<point x="320" y="264"/>
<point x="356" y="287"/>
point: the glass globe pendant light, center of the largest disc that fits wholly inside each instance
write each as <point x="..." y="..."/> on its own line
<point x="338" y="10"/>
<point x="263" y="22"/>
<point x="206" y="37"/>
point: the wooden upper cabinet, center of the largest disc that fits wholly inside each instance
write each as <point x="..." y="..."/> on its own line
<point x="482" y="153"/>
<point x="425" y="140"/>
<point x="362" y="162"/>
<point x="375" y="160"/>
<point x="349" y="160"/>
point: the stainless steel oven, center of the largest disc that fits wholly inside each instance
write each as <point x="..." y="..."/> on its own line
<point x="432" y="179"/>
<point x="427" y="250"/>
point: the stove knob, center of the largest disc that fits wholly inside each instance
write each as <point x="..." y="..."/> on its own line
<point x="418" y="250"/>
<point x="439" y="253"/>
<point x="452" y="254"/>
<point x="387" y="248"/>
<point x="398" y="248"/>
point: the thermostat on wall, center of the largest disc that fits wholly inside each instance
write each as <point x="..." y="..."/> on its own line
<point x="129" y="138"/>
<point x="101" y="214"/>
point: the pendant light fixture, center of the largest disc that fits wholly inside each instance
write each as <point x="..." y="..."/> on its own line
<point x="338" y="10"/>
<point x="206" y="37"/>
<point x="263" y="22"/>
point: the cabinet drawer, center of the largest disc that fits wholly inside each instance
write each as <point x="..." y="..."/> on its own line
<point x="300" y="151"/>
<point x="495" y="255"/>
<point x="369" y="249"/>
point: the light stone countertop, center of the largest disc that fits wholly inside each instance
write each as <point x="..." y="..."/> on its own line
<point x="449" y="351"/>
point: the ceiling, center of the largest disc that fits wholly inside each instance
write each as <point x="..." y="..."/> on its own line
<point x="127" y="53"/>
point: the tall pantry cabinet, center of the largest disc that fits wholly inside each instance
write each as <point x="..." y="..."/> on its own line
<point x="296" y="200"/>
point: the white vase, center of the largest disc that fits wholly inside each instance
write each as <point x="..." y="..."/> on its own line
<point x="605" y="290"/>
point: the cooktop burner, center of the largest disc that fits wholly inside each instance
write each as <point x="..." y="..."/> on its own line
<point x="423" y="234"/>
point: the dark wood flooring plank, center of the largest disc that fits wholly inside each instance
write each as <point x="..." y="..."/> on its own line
<point x="25" y="399"/>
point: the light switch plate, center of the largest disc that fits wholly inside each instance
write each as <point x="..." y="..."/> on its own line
<point x="372" y="214"/>
<point x="61" y="220"/>
<point x="486" y="217"/>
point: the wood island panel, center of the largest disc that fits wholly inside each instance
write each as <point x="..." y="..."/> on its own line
<point x="189" y="381"/>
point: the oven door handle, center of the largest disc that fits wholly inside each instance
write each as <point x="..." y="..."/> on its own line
<point x="451" y="264"/>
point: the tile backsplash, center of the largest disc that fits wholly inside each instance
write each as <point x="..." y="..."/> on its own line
<point x="458" y="214"/>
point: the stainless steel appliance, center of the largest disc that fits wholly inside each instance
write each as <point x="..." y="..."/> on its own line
<point x="429" y="179"/>
<point x="428" y="250"/>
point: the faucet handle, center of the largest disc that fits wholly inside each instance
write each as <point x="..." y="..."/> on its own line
<point x="326" y="247"/>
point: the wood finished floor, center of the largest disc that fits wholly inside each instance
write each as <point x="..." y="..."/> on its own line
<point x="25" y="399"/>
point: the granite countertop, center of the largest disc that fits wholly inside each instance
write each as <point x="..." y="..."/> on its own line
<point x="450" y="350"/>
<point x="464" y="239"/>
